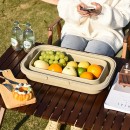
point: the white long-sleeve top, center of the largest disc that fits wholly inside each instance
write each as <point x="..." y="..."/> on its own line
<point x="106" y="27"/>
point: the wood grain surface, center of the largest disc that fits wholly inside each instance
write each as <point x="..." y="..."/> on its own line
<point x="7" y="96"/>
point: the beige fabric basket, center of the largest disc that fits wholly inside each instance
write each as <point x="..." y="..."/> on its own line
<point x="66" y="81"/>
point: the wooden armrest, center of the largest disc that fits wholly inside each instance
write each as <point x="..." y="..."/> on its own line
<point x="127" y="34"/>
<point x="126" y="44"/>
<point x="128" y="40"/>
<point x="57" y="24"/>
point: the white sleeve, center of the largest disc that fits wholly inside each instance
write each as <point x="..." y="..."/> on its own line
<point x="67" y="10"/>
<point x="115" y="17"/>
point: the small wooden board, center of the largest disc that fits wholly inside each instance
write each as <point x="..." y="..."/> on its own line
<point x="124" y="77"/>
<point x="8" y="99"/>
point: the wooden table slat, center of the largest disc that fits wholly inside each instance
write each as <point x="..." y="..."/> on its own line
<point x="75" y="112"/>
<point x="16" y="62"/>
<point x="61" y="105"/>
<point x="85" y="110"/>
<point x="53" y="104"/>
<point x="9" y="61"/>
<point x="32" y="108"/>
<point x="100" y="119"/>
<point x="95" y="109"/>
<point x="126" y="122"/>
<point x="2" y="102"/>
<point x="45" y="102"/>
<point x="109" y="120"/>
<point x="70" y="105"/>
<point x="118" y="121"/>
<point x="5" y="56"/>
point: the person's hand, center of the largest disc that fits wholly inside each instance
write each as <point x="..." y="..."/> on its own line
<point x="97" y="11"/>
<point x="82" y="12"/>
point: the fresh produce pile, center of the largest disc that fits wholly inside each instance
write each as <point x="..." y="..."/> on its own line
<point x="54" y="57"/>
<point x="59" y="62"/>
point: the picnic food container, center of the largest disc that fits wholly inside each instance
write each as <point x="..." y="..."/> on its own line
<point x="67" y="81"/>
<point x="76" y="58"/>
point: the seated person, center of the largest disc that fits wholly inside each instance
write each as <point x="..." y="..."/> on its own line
<point x="97" y="31"/>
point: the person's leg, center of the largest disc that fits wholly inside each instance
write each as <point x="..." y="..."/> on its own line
<point x="74" y="42"/>
<point x="99" y="47"/>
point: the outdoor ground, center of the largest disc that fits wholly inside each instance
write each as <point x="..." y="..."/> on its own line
<point x="40" y="15"/>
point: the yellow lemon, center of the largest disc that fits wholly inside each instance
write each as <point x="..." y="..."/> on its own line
<point x="72" y="64"/>
<point x="84" y="64"/>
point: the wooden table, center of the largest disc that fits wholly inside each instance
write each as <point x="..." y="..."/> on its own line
<point x="66" y="106"/>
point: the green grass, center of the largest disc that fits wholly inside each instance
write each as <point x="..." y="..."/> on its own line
<point x="40" y="15"/>
<point x="19" y="121"/>
<point x="14" y="120"/>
